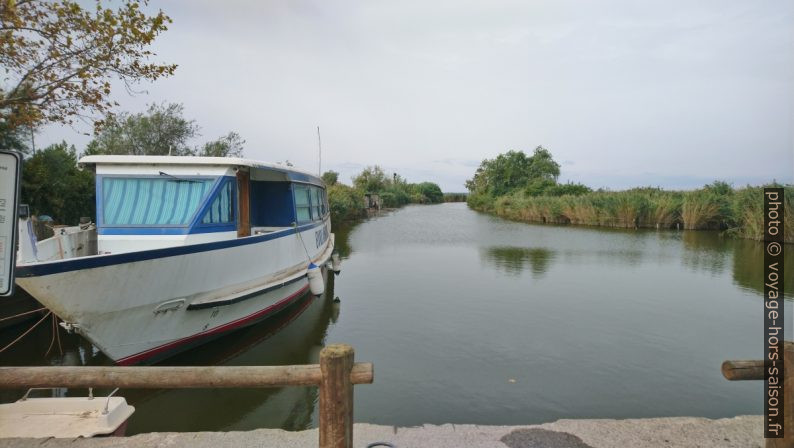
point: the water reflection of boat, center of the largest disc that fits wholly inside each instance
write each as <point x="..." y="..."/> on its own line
<point x="294" y="336"/>
<point x="185" y="248"/>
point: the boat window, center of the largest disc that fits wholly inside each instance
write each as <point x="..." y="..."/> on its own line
<point x="302" y="203"/>
<point x="316" y="203"/>
<point x="128" y="201"/>
<point x="221" y="210"/>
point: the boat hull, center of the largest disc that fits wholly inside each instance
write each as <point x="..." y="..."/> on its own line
<point x="142" y="306"/>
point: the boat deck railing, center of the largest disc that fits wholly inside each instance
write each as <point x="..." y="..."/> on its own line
<point x="335" y="376"/>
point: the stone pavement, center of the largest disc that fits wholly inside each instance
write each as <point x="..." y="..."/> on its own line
<point x="673" y="432"/>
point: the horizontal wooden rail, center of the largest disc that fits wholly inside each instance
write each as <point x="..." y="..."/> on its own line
<point x="335" y="376"/>
<point x="174" y="377"/>
<point x="743" y="370"/>
<point x="754" y="370"/>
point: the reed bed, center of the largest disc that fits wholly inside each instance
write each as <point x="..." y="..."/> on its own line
<point x="716" y="206"/>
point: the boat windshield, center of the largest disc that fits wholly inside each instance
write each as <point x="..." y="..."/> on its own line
<point x="152" y="201"/>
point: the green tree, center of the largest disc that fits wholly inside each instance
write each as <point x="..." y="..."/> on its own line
<point x="543" y="166"/>
<point x="431" y="191"/>
<point x="162" y="130"/>
<point x="14" y="138"/>
<point x="501" y="175"/>
<point x="59" y="57"/>
<point x="230" y="145"/>
<point x="53" y="185"/>
<point x="330" y="178"/>
<point x="371" y="179"/>
<point x="513" y="170"/>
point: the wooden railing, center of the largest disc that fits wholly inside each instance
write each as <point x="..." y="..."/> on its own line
<point x="335" y="376"/>
<point x="754" y="370"/>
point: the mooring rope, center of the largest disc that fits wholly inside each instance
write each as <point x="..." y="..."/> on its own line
<point x="52" y="342"/>
<point x="23" y="314"/>
<point x="55" y="335"/>
<point x="58" y="334"/>
<point x="302" y="243"/>
<point x="25" y="333"/>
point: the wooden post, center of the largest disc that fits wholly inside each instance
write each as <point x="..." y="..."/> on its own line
<point x="788" y="401"/>
<point x="336" y="397"/>
<point x="754" y="370"/>
<point x="743" y="370"/>
<point x="244" y="204"/>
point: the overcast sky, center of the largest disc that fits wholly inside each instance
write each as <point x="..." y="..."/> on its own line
<point x="623" y="93"/>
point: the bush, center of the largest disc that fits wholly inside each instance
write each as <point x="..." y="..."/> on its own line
<point x="568" y="189"/>
<point x="346" y="203"/>
<point x="431" y="192"/>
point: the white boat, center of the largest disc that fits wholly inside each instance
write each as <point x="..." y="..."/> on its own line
<point x="66" y="417"/>
<point x="186" y="248"/>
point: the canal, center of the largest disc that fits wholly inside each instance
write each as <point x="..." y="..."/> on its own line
<point x="473" y="319"/>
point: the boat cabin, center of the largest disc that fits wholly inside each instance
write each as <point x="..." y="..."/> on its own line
<point x="149" y="202"/>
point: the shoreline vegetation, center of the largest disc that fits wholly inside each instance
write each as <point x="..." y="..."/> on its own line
<point x="524" y="188"/>
<point x="347" y="202"/>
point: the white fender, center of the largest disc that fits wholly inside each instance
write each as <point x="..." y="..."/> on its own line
<point x="316" y="283"/>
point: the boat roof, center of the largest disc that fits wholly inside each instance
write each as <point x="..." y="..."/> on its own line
<point x="293" y="174"/>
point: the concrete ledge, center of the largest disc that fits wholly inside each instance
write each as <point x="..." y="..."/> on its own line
<point x="739" y="432"/>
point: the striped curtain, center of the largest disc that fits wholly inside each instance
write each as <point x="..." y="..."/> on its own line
<point x="151" y="201"/>
<point x="220" y="211"/>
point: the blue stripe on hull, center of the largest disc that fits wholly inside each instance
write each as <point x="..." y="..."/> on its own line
<point x="75" y="264"/>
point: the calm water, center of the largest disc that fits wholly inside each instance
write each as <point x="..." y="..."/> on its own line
<point x="473" y="319"/>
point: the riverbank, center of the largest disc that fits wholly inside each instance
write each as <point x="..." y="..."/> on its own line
<point x="672" y="432"/>
<point x="714" y="207"/>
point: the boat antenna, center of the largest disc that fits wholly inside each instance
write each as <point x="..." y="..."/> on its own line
<point x="320" y="150"/>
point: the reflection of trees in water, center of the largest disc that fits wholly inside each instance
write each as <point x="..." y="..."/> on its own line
<point x="515" y="260"/>
<point x="705" y="251"/>
<point x="713" y="251"/>
<point x="342" y="239"/>
<point x="748" y="266"/>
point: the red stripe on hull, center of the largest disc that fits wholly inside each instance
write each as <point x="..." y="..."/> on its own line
<point x="139" y="357"/>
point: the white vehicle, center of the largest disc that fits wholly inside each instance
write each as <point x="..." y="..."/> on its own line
<point x="184" y="248"/>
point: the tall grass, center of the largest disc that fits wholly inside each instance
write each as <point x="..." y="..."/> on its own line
<point x="698" y="210"/>
<point x="455" y="197"/>
<point x="663" y="210"/>
<point x="715" y="206"/>
<point x="748" y="207"/>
